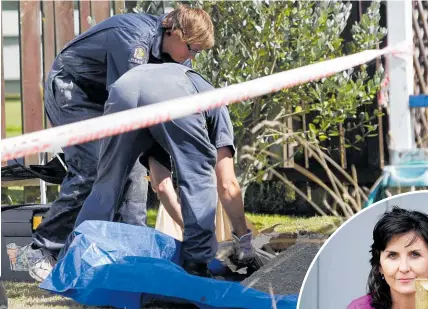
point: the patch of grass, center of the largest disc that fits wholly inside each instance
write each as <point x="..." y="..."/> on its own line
<point x="13" y="118"/>
<point x="151" y="217"/>
<point x="16" y="194"/>
<point x="318" y="224"/>
<point x="25" y="295"/>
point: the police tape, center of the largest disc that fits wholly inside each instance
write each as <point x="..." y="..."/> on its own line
<point x="143" y="117"/>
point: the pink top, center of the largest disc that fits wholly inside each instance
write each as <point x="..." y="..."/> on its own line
<point x="361" y="303"/>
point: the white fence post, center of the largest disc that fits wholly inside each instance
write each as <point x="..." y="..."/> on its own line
<point x="399" y="23"/>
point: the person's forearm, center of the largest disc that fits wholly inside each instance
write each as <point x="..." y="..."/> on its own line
<point x="169" y="200"/>
<point x="162" y="184"/>
<point x="231" y="199"/>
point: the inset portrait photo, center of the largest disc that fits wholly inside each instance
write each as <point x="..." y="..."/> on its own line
<point x="376" y="260"/>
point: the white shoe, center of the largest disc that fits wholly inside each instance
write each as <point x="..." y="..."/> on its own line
<point x="42" y="268"/>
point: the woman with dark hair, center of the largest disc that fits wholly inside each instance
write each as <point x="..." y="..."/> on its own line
<point x="399" y="256"/>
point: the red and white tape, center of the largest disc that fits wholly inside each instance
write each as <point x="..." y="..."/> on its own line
<point x="142" y="117"/>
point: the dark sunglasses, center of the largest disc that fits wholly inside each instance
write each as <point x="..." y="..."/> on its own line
<point x="192" y="51"/>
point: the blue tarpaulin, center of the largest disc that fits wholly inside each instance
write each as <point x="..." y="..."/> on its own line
<point x="121" y="265"/>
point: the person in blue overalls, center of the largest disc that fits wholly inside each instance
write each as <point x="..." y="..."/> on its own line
<point x="197" y="144"/>
<point x="77" y="88"/>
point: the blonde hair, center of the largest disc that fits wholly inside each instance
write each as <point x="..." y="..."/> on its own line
<point x="194" y="25"/>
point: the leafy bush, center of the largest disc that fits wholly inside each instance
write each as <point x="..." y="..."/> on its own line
<point x="258" y="38"/>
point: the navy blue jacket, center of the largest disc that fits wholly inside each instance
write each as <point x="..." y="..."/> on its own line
<point x="99" y="56"/>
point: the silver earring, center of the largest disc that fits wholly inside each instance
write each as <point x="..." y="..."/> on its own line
<point x="383" y="277"/>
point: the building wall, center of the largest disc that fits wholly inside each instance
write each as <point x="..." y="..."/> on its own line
<point x="10" y="26"/>
<point x="11" y="60"/>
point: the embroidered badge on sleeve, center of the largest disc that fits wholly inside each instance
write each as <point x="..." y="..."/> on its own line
<point x="139" y="55"/>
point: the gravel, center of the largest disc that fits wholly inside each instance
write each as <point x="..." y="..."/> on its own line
<point x="286" y="272"/>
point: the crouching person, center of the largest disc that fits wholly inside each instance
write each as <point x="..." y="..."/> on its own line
<point x="199" y="145"/>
